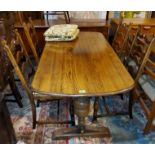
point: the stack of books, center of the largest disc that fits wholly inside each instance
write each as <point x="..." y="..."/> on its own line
<point x="62" y="32"/>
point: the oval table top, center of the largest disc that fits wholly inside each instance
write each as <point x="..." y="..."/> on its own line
<point x="87" y="66"/>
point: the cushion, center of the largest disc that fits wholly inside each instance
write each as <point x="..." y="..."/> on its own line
<point x="62" y="30"/>
<point x="148" y="85"/>
<point x="132" y="66"/>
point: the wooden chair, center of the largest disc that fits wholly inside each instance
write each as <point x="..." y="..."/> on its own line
<point x="134" y="31"/>
<point x="137" y="51"/>
<point x="6" y="74"/>
<point x="32" y="38"/>
<point x="23" y="68"/>
<point x="144" y="90"/>
<point x="120" y="38"/>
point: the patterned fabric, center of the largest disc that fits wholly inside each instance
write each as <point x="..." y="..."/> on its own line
<point x="62" y="32"/>
<point x="148" y="85"/>
<point x="123" y="130"/>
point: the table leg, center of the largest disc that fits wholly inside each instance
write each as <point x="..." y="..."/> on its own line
<point x="95" y="109"/>
<point x="81" y="108"/>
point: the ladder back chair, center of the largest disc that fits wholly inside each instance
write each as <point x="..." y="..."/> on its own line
<point x="23" y="49"/>
<point x="144" y="90"/>
<point x="140" y="48"/>
<point x="32" y="38"/>
<point x="20" y="53"/>
<point x="32" y="95"/>
<point x="120" y="38"/>
<point x="134" y="31"/>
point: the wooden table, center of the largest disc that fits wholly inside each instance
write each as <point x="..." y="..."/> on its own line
<point x="80" y="69"/>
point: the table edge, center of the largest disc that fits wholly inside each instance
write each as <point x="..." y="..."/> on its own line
<point x="84" y="94"/>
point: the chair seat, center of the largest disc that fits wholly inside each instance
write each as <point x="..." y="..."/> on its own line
<point x="132" y="66"/>
<point x="148" y="86"/>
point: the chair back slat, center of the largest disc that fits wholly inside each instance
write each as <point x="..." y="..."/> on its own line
<point x="149" y="68"/>
<point x="151" y="63"/>
<point x="23" y="49"/>
<point x="20" y="55"/>
<point x="32" y="38"/>
<point x="144" y="64"/>
<point x="121" y="37"/>
<point x="149" y="72"/>
<point x="131" y="39"/>
<point x="31" y="42"/>
<point x="137" y="57"/>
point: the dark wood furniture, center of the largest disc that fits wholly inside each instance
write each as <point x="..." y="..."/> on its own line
<point x="136" y="21"/>
<point x="148" y="24"/>
<point x="32" y="38"/>
<point x="6" y="72"/>
<point x="7" y="134"/>
<point x="120" y="39"/>
<point x="23" y="68"/>
<point x="84" y="25"/>
<point x="141" y="64"/>
<point x="64" y="13"/>
<point x="22" y="16"/>
<point x="124" y="53"/>
<point x="85" y="67"/>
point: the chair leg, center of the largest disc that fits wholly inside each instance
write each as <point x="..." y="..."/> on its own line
<point x="38" y="103"/>
<point x="66" y="18"/>
<point x="150" y="120"/>
<point x="71" y="109"/>
<point x="47" y="17"/>
<point x="58" y="109"/>
<point x="95" y="109"/>
<point x="105" y="106"/>
<point x="131" y="100"/>
<point x="34" y="115"/>
<point x="67" y="12"/>
<point x="15" y="92"/>
<point x="121" y="95"/>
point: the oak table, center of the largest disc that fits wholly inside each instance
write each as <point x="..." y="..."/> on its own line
<point x="80" y="69"/>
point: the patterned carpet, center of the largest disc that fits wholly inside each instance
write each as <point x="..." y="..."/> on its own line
<point x="123" y="130"/>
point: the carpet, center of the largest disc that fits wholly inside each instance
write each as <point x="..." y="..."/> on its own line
<point x="123" y="130"/>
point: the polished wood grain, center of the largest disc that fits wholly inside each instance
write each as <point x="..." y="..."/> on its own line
<point x="87" y="66"/>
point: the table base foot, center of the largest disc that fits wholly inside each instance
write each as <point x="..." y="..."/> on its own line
<point x="76" y="132"/>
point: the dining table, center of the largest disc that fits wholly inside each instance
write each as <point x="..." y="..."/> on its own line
<point x="80" y="69"/>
